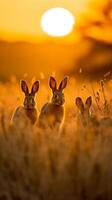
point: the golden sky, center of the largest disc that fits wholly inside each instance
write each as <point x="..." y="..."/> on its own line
<point x="20" y="19"/>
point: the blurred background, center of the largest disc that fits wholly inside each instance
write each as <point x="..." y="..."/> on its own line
<point x="25" y="50"/>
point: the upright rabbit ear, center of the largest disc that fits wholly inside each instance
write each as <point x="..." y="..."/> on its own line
<point x="63" y="83"/>
<point x="88" y="102"/>
<point x="52" y="83"/>
<point x="79" y="104"/>
<point x="35" y="87"/>
<point x="24" y="87"/>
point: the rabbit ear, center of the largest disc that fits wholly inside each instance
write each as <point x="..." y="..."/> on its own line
<point x="88" y="102"/>
<point x="35" y="87"/>
<point x="24" y="87"/>
<point x="79" y="104"/>
<point x="52" y="83"/>
<point x="63" y="83"/>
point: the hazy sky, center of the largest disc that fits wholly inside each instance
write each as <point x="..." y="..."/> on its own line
<point x="21" y="18"/>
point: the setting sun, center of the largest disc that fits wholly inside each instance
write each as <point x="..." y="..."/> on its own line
<point x="57" y="22"/>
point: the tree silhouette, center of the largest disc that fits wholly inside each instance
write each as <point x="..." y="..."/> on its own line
<point x="100" y="28"/>
<point x="97" y="35"/>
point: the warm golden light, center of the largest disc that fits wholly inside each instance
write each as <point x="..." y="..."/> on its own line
<point x="57" y="22"/>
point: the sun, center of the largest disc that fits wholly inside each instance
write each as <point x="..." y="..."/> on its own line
<point x="57" y="22"/>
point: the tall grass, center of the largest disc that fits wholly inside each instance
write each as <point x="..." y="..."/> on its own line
<point x="43" y="165"/>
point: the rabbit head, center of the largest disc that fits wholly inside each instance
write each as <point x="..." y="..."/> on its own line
<point x="58" y="95"/>
<point x="29" y="102"/>
<point x="84" y="108"/>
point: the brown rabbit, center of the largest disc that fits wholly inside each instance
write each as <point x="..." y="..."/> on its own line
<point x="52" y="113"/>
<point x="28" y="110"/>
<point x="85" y="116"/>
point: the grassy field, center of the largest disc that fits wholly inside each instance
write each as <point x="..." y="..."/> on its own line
<point x="43" y="165"/>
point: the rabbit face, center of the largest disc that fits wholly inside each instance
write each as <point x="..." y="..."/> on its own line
<point x="58" y="98"/>
<point x="84" y="108"/>
<point x="29" y="102"/>
<point x="58" y="95"/>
